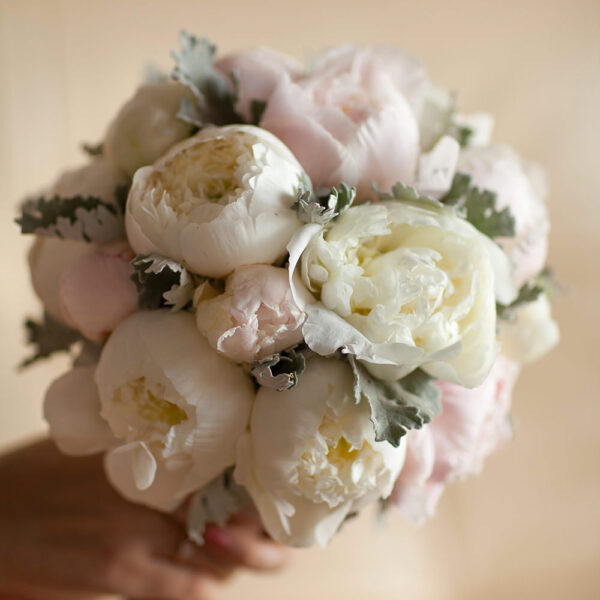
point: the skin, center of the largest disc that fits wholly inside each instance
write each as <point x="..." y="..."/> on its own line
<point x="67" y="535"/>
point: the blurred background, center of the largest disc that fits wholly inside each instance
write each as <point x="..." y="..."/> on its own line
<point x="529" y="526"/>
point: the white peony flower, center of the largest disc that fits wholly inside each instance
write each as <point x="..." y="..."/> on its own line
<point x="310" y="457"/>
<point x="531" y="334"/>
<point x="72" y="409"/>
<point x="217" y="201"/>
<point x="99" y="178"/>
<point x="404" y="285"/>
<point x="255" y="317"/>
<point x="176" y="407"/>
<point x="147" y="126"/>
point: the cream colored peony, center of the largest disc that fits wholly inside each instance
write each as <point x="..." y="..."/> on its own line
<point x="217" y="201"/>
<point x="531" y="334"/>
<point x="402" y="286"/>
<point x="310" y="457"/>
<point x="146" y="126"/>
<point x="176" y="408"/>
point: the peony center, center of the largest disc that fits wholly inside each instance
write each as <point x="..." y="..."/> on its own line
<point x="332" y="470"/>
<point x="144" y="400"/>
<point x="211" y="171"/>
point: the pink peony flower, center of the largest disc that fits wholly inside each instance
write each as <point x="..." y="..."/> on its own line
<point x="254" y="318"/>
<point x="351" y="119"/>
<point x="256" y="72"/>
<point x="96" y="292"/>
<point x="473" y="423"/>
<point x="48" y="258"/>
<point x="521" y="187"/>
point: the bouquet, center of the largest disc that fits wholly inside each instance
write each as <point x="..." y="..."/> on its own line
<point x="309" y="290"/>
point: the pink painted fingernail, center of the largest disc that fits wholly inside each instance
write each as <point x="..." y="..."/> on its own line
<point x="217" y="537"/>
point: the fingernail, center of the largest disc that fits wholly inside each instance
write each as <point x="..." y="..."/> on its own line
<point x="217" y="537"/>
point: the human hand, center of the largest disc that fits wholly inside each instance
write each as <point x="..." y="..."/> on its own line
<point x="65" y="534"/>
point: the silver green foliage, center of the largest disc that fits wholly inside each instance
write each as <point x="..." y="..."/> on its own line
<point x="479" y="207"/>
<point x="194" y="68"/>
<point x="280" y="371"/>
<point x="215" y="503"/>
<point x="323" y="204"/>
<point x="83" y="218"/>
<point x="48" y="336"/>
<point x="396" y="406"/>
<point x="543" y="283"/>
<point x="406" y="193"/>
<point x="162" y="282"/>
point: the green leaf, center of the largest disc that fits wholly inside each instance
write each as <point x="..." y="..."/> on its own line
<point x="479" y="207"/>
<point x="548" y="282"/>
<point x="194" y="68"/>
<point x="161" y="282"/>
<point x="93" y="150"/>
<point x="215" y="503"/>
<point x="483" y="215"/>
<point x="462" y="134"/>
<point x="396" y="406"/>
<point x="257" y="108"/>
<point x="528" y="292"/>
<point x="88" y="218"/>
<point x="459" y="188"/>
<point x="190" y="113"/>
<point x="47" y="337"/>
<point x="323" y="205"/>
<point x="406" y="193"/>
<point x="280" y="371"/>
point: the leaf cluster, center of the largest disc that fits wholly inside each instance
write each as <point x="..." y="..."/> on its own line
<point x="323" y="205"/>
<point x="280" y="371"/>
<point x="214" y="503"/>
<point x="48" y="336"/>
<point x="396" y="406"/>
<point x="161" y="282"/>
<point x="194" y="68"/>
<point x="83" y="218"/>
<point x="479" y="207"/>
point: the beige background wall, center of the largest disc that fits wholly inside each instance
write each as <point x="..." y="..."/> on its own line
<point x="529" y="527"/>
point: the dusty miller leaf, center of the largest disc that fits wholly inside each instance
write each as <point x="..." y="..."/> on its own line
<point x="161" y="282"/>
<point x="462" y="134"/>
<point x="257" y="108"/>
<point x="280" y="371"/>
<point x="194" y="68"/>
<point x="479" y="207"/>
<point x="483" y="215"/>
<point x="214" y="503"/>
<point x="88" y="218"/>
<point x="528" y="292"/>
<point x="190" y="113"/>
<point x="88" y="355"/>
<point x="47" y="337"/>
<point x="323" y="205"/>
<point x="396" y="406"/>
<point x="121" y="192"/>
<point x="93" y="150"/>
<point x="459" y="188"/>
<point x="406" y="193"/>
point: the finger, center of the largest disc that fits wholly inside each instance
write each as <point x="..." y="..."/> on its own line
<point x="192" y="556"/>
<point x="161" y="580"/>
<point x="241" y="546"/>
